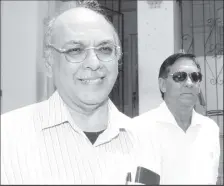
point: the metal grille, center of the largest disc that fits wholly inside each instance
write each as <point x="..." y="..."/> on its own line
<point x="202" y="35"/>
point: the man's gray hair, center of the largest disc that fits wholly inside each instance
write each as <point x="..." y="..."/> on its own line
<point x="88" y="4"/>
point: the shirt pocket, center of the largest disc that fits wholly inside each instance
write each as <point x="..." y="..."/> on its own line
<point x="202" y="162"/>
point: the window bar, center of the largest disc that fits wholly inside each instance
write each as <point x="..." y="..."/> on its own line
<point x="192" y="28"/>
<point x="204" y="33"/>
<point x="216" y="70"/>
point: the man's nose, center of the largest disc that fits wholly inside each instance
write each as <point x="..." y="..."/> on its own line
<point x="189" y="82"/>
<point x="92" y="62"/>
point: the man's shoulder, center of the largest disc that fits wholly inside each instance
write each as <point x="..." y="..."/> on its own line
<point x="124" y="117"/>
<point x="148" y="118"/>
<point x="117" y="117"/>
<point x="152" y="114"/>
<point x="20" y="116"/>
<point x="145" y="125"/>
<point x="124" y="121"/>
<point x="207" y="122"/>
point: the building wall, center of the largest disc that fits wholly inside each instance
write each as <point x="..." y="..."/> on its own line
<point x="23" y="80"/>
<point x="156" y="41"/>
<point x="19" y="41"/>
<point x="207" y="35"/>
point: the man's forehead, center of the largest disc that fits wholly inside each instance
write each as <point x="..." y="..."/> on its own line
<point x="185" y="60"/>
<point x="79" y="16"/>
<point x="184" y="63"/>
<point x="71" y="25"/>
<point x="88" y="36"/>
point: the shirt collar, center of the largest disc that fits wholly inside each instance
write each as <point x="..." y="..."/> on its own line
<point x="168" y="117"/>
<point x="56" y="113"/>
<point x="196" y="119"/>
<point x="116" y="124"/>
<point x="53" y="112"/>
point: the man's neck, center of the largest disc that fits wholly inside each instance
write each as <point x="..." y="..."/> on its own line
<point x="182" y="114"/>
<point x="91" y="120"/>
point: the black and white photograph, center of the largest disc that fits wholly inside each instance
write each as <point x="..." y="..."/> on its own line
<point x="111" y="92"/>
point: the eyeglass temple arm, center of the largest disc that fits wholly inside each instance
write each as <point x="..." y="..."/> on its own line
<point x="57" y="49"/>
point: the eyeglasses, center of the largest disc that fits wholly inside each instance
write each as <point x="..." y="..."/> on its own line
<point x="182" y="76"/>
<point x="78" y="53"/>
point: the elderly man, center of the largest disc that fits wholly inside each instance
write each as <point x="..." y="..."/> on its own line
<point x="77" y="136"/>
<point x="187" y="142"/>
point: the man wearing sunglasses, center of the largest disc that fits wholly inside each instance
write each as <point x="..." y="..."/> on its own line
<point x="187" y="143"/>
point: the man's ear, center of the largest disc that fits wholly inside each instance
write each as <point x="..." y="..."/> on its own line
<point x="49" y="69"/>
<point x="162" y="85"/>
<point x="48" y="63"/>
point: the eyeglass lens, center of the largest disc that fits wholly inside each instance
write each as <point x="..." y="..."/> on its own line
<point x="78" y="53"/>
<point x="182" y="76"/>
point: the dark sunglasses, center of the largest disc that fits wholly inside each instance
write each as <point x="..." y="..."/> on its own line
<point x="182" y="76"/>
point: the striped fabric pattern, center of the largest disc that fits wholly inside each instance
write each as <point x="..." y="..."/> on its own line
<point x="40" y="144"/>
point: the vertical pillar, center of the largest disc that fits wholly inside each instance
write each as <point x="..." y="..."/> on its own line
<point x="158" y="37"/>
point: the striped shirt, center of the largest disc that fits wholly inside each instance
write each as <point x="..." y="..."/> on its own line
<point x="40" y="144"/>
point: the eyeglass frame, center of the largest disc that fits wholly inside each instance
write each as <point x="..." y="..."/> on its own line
<point x="63" y="51"/>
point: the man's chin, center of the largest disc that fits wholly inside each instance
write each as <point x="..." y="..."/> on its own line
<point x="187" y="102"/>
<point x="94" y="100"/>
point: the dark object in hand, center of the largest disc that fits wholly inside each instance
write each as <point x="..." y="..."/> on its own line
<point x="146" y="176"/>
